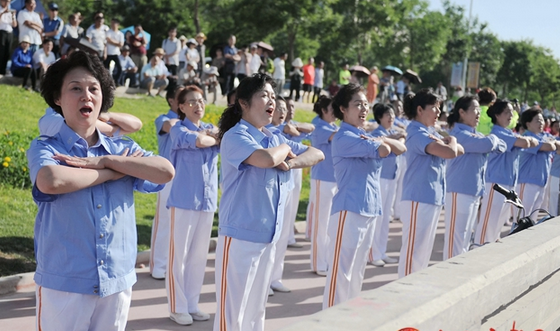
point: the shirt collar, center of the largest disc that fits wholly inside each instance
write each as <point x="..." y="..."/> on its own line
<point x="348" y="127"/>
<point x="191" y="126"/>
<point x="464" y="127"/>
<point x="171" y="114"/>
<point x="70" y="138"/>
<point x="254" y="132"/>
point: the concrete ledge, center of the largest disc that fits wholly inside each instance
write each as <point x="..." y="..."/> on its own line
<point x="497" y="283"/>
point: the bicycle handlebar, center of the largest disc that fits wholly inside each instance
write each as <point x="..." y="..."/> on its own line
<point x="510" y="195"/>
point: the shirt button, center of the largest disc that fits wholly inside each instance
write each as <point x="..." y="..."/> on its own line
<point x="101" y="235"/>
<point x="98" y="206"/>
<point x="95" y="291"/>
<point x="101" y="262"/>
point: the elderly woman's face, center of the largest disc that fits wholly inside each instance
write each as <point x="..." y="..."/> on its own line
<point x="80" y="99"/>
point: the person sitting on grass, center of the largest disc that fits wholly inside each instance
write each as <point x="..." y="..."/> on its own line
<point x="22" y="64"/>
<point x="152" y="77"/>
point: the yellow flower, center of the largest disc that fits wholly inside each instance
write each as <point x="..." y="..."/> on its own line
<point x="24" y="169"/>
<point x="5" y="164"/>
<point x="21" y="149"/>
<point x="11" y="143"/>
<point x="8" y="159"/>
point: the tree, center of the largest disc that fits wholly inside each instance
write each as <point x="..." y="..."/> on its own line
<point x="515" y="71"/>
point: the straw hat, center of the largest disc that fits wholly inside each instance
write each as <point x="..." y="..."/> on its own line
<point x="182" y="37"/>
<point x="297" y="62"/>
<point x="159" y="51"/>
<point x="201" y="35"/>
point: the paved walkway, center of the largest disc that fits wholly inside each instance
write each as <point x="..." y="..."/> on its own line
<point x="149" y="302"/>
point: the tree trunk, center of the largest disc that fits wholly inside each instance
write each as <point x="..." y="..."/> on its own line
<point x="195" y="17"/>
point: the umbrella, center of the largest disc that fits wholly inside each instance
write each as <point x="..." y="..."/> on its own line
<point x="146" y="34"/>
<point x="393" y="70"/>
<point x="412" y="76"/>
<point x="360" y="71"/>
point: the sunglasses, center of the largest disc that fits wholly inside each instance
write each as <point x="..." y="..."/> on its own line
<point x="99" y="18"/>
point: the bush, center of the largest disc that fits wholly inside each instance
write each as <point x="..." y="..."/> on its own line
<point x="13" y="170"/>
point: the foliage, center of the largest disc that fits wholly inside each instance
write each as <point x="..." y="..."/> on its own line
<point x="13" y="168"/>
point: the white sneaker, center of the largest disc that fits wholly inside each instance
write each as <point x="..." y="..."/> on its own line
<point x="181" y="318"/>
<point x="159" y="275"/>
<point x="322" y="273"/>
<point x="270" y="292"/>
<point x="200" y="316"/>
<point x="280" y="288"/>
<point x="390" y="260"/>
<point x="378" y="263"/>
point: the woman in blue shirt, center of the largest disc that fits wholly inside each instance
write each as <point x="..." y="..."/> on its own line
<point x="323" y="185"/>
<point x="535" y="162"/>
<point x="424" y="179"/>
<point x="384" y="115"/>
<point x="255" y="169"/>
<point x="192" y="202"/>
<point x="502" y="169"/>
<point x="85" y="230"/>
<point x="357" y="165"/>
<point x="465" y="175"/>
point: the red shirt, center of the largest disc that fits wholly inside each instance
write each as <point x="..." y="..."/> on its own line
<point x="135" y="49"/>
<point x="308" y="74"/>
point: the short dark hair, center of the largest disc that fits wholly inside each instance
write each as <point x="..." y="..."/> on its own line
<point x="486" y="96"/>
<point x="380" y="109"/>
<point x="496" y="109"/>
<point x="528" y="115"/>
<point x="463" y="103"/>
<point x="322" y="103"/>
<point x="343" y="97"/>
<point x="51" y="86"/>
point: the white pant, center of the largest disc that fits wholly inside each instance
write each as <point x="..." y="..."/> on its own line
<point x="350" y="242"/>
<point x="493" y="214"/>
<point x="396" y="210"/>
<point x="554" y="186"/>
<point x="282" y="242"/>
<point x="381" y="233"/>
<point x="188" y="251"/>
<point x="159" y="247"/>
<point x="461" y="213"/>
<point x="292" y="204"/>
<point x="419" y="233"/>
<point x="318" y="215"/>
<point x="531" y="196"/>
<point x="61" y="311"/>
<point x="243" y="271"/>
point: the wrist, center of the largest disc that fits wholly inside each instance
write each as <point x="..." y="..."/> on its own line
<point x="289" y="164"/>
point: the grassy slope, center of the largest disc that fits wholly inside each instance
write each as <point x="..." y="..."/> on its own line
<point x="19" y="112"/>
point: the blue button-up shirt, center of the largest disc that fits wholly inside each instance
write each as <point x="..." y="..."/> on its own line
<point x="320" y="139"/>
<point x="357" y="166"/>
<point x="534" y="165"/>
<point x="253" y="199"/>
<point x="465" y="173"/>
<point x="85" y="241"/>
<point x="389" y="165"/>
<point x="424" y="178"/>
<point x="503" y="168"/>
<point x="163" y="138"/>
<point x="195" y="185"/>
<point x="53" y="25"/>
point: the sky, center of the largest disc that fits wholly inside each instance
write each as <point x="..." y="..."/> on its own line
<point x="516" y="19"/>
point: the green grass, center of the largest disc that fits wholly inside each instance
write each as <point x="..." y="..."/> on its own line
<point x="20" y="112"/>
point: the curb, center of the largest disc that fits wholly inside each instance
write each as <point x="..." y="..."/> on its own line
<point x="20" y="282"/>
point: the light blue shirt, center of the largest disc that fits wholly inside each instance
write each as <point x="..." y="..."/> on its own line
<point x="503" y="168"/>
<point x="424" y="178"/>
<point x="555" y="169"/>
<point x="195" y="185"/>
<point x="278" y="130"/>
<point x="534" y="165"/>
<point x="85" y="241"/>
<point x="163" y="138"/>
<point x="465" y="173"/>
<point x="320" y="139"/>
<point x="357" y="166"/>
<point x="389" y="165"/>
<point x="253" y="199"/>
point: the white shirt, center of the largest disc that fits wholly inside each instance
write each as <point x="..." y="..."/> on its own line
<point x="255" y="63"/>
<point x="26" y="15"/>
<point x="40" y="56"/>
<point x="171" y="46"/>
<point x="182" y="57"/>
<point x="98" y="36"/>
<point x="126" y="63"/>
<point x="279" y="69"/>
<point x="6" y="21"/>
<point x="116" y="36"/>
<point x="319" y="74"/>
<point x="193" y="55"/>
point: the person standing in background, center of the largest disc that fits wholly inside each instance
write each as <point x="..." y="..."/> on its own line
<point x="372" y="87"/>
<point x="441" y="91"/>
<point x="486" y="97"/>
<point x="7" y="24"/>
<point x="256" y="61"/>
<point x="201" y="48"/>
<point x="71" y="31"/>
<point x="344" y="75"/>
<point x="308" y="79"/>
<point x="318" y="81"/>
<point x="97" y="35"/>
<point x="231" y="57"/>
<point x="30" y="24"/>
<point x="115" y="40"/>
<point x="279" y="74"/>
<point x="172" y="46"/>
<point x="137" y="43"/>
<point x="53" y="27"/>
